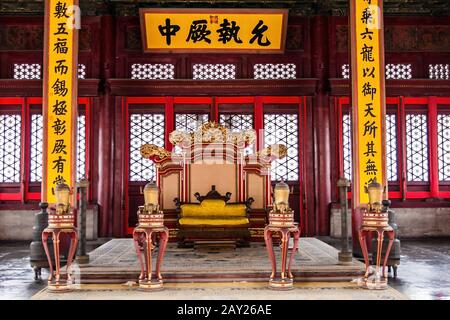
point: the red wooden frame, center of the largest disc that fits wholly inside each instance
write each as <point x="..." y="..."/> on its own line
<point x="430" y="189"/>
<point x="24" y="194"/>
<point x="258" y="103"/>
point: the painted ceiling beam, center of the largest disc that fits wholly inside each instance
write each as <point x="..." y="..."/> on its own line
<point x="297" y="7"/>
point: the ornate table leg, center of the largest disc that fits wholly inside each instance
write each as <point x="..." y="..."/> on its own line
<point x="164" y="238"/>
<point x="380" y="280"/>
<point x="72" y="250"/>
<point x="284" y="249"/>
<point x="56" y="251"/>
<point x="294" y="250"/>
<point x="269" y="246"/>
<point x="136" y="236"/>
<point x="379" y="248"/>
<point x="362" y="242"/>
<point x="148" y="251"/>
<point x="391" y="236"/>
<point x="45" y="235"/>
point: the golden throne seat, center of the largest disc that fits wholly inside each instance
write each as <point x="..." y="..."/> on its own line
<point x="213" y="218"/>
<point x="213" y="212"/>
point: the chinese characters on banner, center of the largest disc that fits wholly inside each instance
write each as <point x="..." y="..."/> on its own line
<point x="368" y="97"/>
<point x="209" y="30"/>
<point x="60" y="96"/>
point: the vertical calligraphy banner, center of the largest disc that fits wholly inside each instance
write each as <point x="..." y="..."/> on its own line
<point x="368" y="96"/>
<point x="59" y="96"/>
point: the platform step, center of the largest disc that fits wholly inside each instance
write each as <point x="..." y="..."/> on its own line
<point x="116" y="262"/>
<point x="214" y="246"/>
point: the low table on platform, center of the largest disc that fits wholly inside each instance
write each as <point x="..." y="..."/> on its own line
<point x="142" y="237"/>
<point x="286" y="279"/>
<point x="380" y="230"/>
<point x="55" y="283"/>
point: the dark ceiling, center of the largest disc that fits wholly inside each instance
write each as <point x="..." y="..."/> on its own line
<point x="297" y="7"/>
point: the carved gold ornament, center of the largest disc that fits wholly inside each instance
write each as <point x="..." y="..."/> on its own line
<point x="177" y="137"/>
<point x="212" y="132"/>
<point x="151" y="151"/>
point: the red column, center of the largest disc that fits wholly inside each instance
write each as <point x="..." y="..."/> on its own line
<point x="25" y="150"/>
<point x="258" y="119"/>
<point x="170" y="120"/>
<point x="105" y="136"/>
<point x="321" y="123"/>
<point x="432" y="149"/>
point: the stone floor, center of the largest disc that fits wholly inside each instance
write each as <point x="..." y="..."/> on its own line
<point x="422" y="274"/>
<point x="221" y="291"/>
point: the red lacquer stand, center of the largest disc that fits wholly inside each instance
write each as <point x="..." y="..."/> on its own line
<point x="59" y="224"/>
<point x="380" y="230"/>
<point x="142" y="237"/>
<point x="286" y="280"/>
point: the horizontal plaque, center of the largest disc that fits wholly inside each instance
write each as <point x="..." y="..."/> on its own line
<point x="214" y="30"/>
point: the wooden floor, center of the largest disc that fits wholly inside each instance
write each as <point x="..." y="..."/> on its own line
<point x="116" y="262"/>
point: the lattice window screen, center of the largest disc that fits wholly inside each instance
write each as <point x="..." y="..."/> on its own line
<point x="238" y="122"/>
<point x="398" y="71"/>
<point x="218" y="71"/>
<point x="391" y="147"/>
<point x="10" y="145"/>
<point x="345" y="71"/>
<point x="347" y="145"/>
<point x="443" y="122"/>
<point x="28" y="71"/>
<point x="393" y="71"/>
<point x="144" y="128"/>
<point x="81" y="147"/>
<point x="190" y="121"/>
<point x="151" y="71"/>
<point x="283" y="129"/>
<point x="274" y="71"/>
<point x="81" y="71"/>
<point x="417" y="147"/>
<point x="33" y="71"/>
<point x="439" y="71"/>
<point x="36" y="148"/>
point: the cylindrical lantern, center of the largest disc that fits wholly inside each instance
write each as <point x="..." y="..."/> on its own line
<point x="62" y="194"/>
<point x="281" y="193"/>
<point x="151" y="194"/>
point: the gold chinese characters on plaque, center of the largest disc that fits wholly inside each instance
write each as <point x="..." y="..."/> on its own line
<point x="60" y="95"/>
<point x="214" y="30"/>
<point x="368" y="95"/>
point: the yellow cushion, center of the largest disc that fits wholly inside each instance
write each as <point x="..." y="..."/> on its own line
<point x="213" y="222"/>
<point x="213" y="208"/>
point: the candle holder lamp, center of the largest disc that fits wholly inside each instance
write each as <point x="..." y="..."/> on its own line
<point x="60" y="221"/>
<point x="150" y="226"/>
<point x="375" y="218"/>
<point x="281" y="220"/>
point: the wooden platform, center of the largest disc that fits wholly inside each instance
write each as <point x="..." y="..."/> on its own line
<point x="116" y="262"/>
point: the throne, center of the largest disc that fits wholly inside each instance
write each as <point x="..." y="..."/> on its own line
<point x="221" y="193"/>
<point x="213" y="218"/>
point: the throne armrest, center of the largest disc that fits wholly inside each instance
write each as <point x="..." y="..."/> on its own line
<point x="248" y="204"/>
<point x="177" y="203"/>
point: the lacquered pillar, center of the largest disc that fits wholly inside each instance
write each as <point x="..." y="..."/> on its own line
<point x="321" y="122"/>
